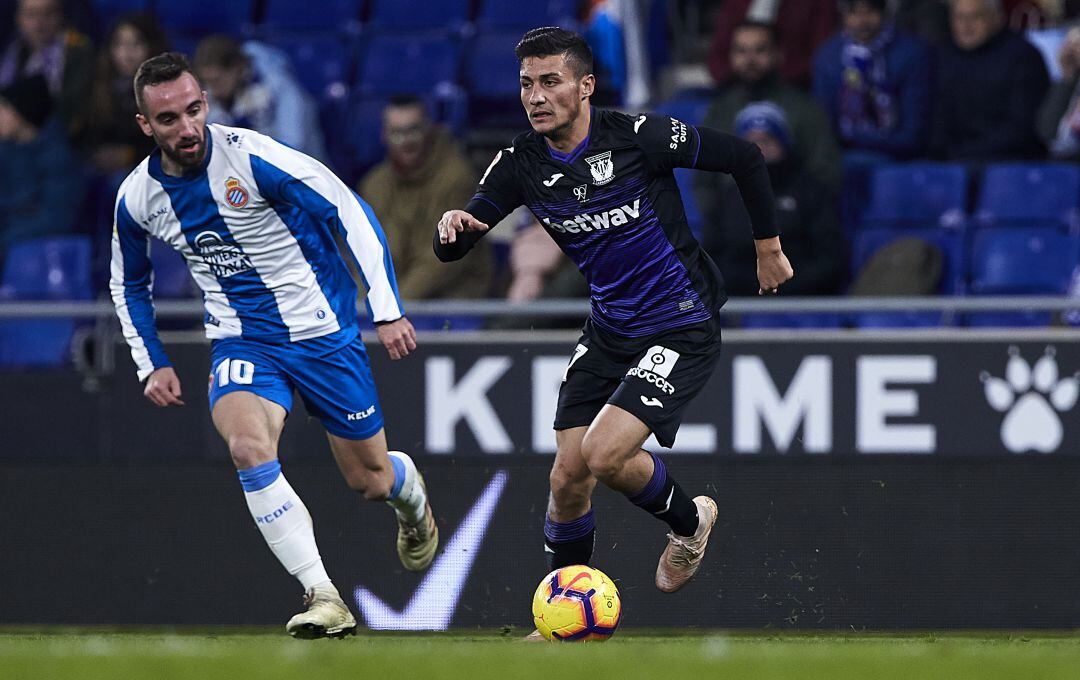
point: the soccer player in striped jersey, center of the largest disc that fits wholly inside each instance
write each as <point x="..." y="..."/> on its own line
<point x="258" y="224"/>
<point x="601" y="183"/>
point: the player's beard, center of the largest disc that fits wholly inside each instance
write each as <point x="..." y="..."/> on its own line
<point x="187" y="159"/>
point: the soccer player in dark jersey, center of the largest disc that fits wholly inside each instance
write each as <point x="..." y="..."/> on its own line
<point x="601" y="183"/>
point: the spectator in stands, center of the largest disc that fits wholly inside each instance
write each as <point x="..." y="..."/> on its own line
<point x="755" y="76"/>
<point x="252" y="85"/>
<point x="114" y="139"/>
<point x="42" y="184"/>
<point x="424" y="171"/>
<point x="801" y="27"/>
<point x="1059" y="116"/>
<point x="990" y="85"/>
<point x="64" y="57"/>
<point x="875" y="84"/>
<point x="805" y="216"/>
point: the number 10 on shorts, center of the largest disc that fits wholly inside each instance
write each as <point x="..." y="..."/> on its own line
<point x="235" y="370"/>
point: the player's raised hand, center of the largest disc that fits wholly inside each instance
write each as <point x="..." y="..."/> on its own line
<point x="773" y="267"/>
<point x="163" y="387"/>
<point x="454" y="221"/>
<point x="398" y="337"/>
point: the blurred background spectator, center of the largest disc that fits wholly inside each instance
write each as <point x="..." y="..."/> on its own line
<point x="44" y="45"/>
<point x="755" y="76"/>
<point x="801" y="26"/>
<point x="875" y="83"/>
<point x="805" y="215"/>
<point x="424" y="174"/>
<point x="252" y="85"/>
<point x="1059" y="115"/>
<point x="990" y="85"/>
<point x="41" y="182"/>
<point x="114" y="140"/>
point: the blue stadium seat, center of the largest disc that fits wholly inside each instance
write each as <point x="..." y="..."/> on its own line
<point x="414" y="63"/>
<point x="56" y="268"/>
<point x="491" y="69"/>
<point x="689" y="107"/>
<point x="361" y="136"/>
<point x="806" y="320"/>
<point x="525" y="15"/>
<point x="52" y="268"/>
<point x="1029" y="194"/>
<point x="869" y="241"/>
<point x="105" y="11"/>
<point x="320" y="61"/>
<point x="307" y="15"/>
<point x="902" y="196"/>
<point x="203" y="17"/>
<point x="684" y="178"/>
<point x="172" y="278"/>
<point x="1032" y="261"/>
<point x="910" y="319"/>
<point x="419" y="14"/>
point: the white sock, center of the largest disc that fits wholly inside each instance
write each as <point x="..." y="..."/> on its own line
<point x="411" y="499"/>
<point x="286" y="525"/>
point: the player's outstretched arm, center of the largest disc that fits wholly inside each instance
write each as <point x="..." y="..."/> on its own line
<point x="456" y="233"/>
<point x="773" y="267"/>
<point x="163" y="388"/>
<point x="398" y="337"/>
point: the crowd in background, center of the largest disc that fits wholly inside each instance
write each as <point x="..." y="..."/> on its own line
<point x="828" y="90"/>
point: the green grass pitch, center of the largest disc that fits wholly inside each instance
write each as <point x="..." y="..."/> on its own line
<point x="96" y="654"/>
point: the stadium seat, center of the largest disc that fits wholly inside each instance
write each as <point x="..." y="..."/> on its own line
<point x="491" y="69"/>
<point x="869" y="241"/>
<point x="1033" y="261"/>
<point x="420" y="14"/>
<point x="904" y="195"/>
<point x="106" y="11"/>
<point x="910" y="319"/>
<point x="203" y="17"/>
<point x="1029" y="194"/>
<point x="689" y="107"/>
<point x="684" y="178"/>
<point x="361" y="136"/>
<point x="52" y="268"/>
<point x="409" y="63"/>
<point x="523" y="16"/>
<point x="172" y="278"/>
<point x="321" y="62"/>
<point x="802" y="321"/>
<point x="56" y="268"/>
<point x="308" y="15"/>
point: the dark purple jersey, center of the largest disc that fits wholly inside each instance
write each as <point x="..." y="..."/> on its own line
<point x="613" y="207"/>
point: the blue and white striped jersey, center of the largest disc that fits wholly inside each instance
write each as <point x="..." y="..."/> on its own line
<point x="257" y="227"/>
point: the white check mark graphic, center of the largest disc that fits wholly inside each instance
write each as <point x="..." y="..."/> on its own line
<point x="554" y="178"/>
<point x="433" y="603"/>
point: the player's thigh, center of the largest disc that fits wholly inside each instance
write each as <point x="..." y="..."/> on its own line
<point x="339" y="389"/>
<point x="666" y="377"/>
<point x="249" y="399"/>
<point x="615" y="436"/>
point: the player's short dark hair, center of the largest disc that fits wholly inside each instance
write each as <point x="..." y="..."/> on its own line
<point x="768" y="28"/>
<point x="164" y="68"/>
<point x="552" y="40"/>
<point x="405" y="101"/>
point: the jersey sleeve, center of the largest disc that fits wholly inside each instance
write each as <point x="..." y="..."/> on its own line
<point x="669" y="143"/>
<point x="287" y="176"/>
<point x="497" y="195"/>
<point x="129" y="284"/>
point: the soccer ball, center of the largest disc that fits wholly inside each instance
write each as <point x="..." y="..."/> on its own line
<point x="576" y="603"/>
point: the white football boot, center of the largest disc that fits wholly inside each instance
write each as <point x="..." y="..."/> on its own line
<point x="682" y="556"/>
<point x="326" y="615"/>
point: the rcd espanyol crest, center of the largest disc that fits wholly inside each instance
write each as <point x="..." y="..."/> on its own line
<point x="235" y="195"/>
<point x="601" y="167"/>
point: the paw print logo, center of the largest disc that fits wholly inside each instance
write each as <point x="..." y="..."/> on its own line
<point x="1032" y="399"/>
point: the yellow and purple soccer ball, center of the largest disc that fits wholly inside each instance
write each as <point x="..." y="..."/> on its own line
<point x="577" y="603"/>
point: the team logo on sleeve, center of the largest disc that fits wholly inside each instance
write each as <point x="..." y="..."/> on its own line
<point x="235" y="195"/>
<point x="601" y="167"/>
<point x="224" y="259"/>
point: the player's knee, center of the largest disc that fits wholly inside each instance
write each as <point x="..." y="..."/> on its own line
<point x="247" y="450"/>
<point x="568" y="491"/>
<point x="604" y="460"/>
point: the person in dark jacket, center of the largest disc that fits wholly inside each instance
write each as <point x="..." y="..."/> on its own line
<point x="804" y="215"/>
<point x="990" y="85"/>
